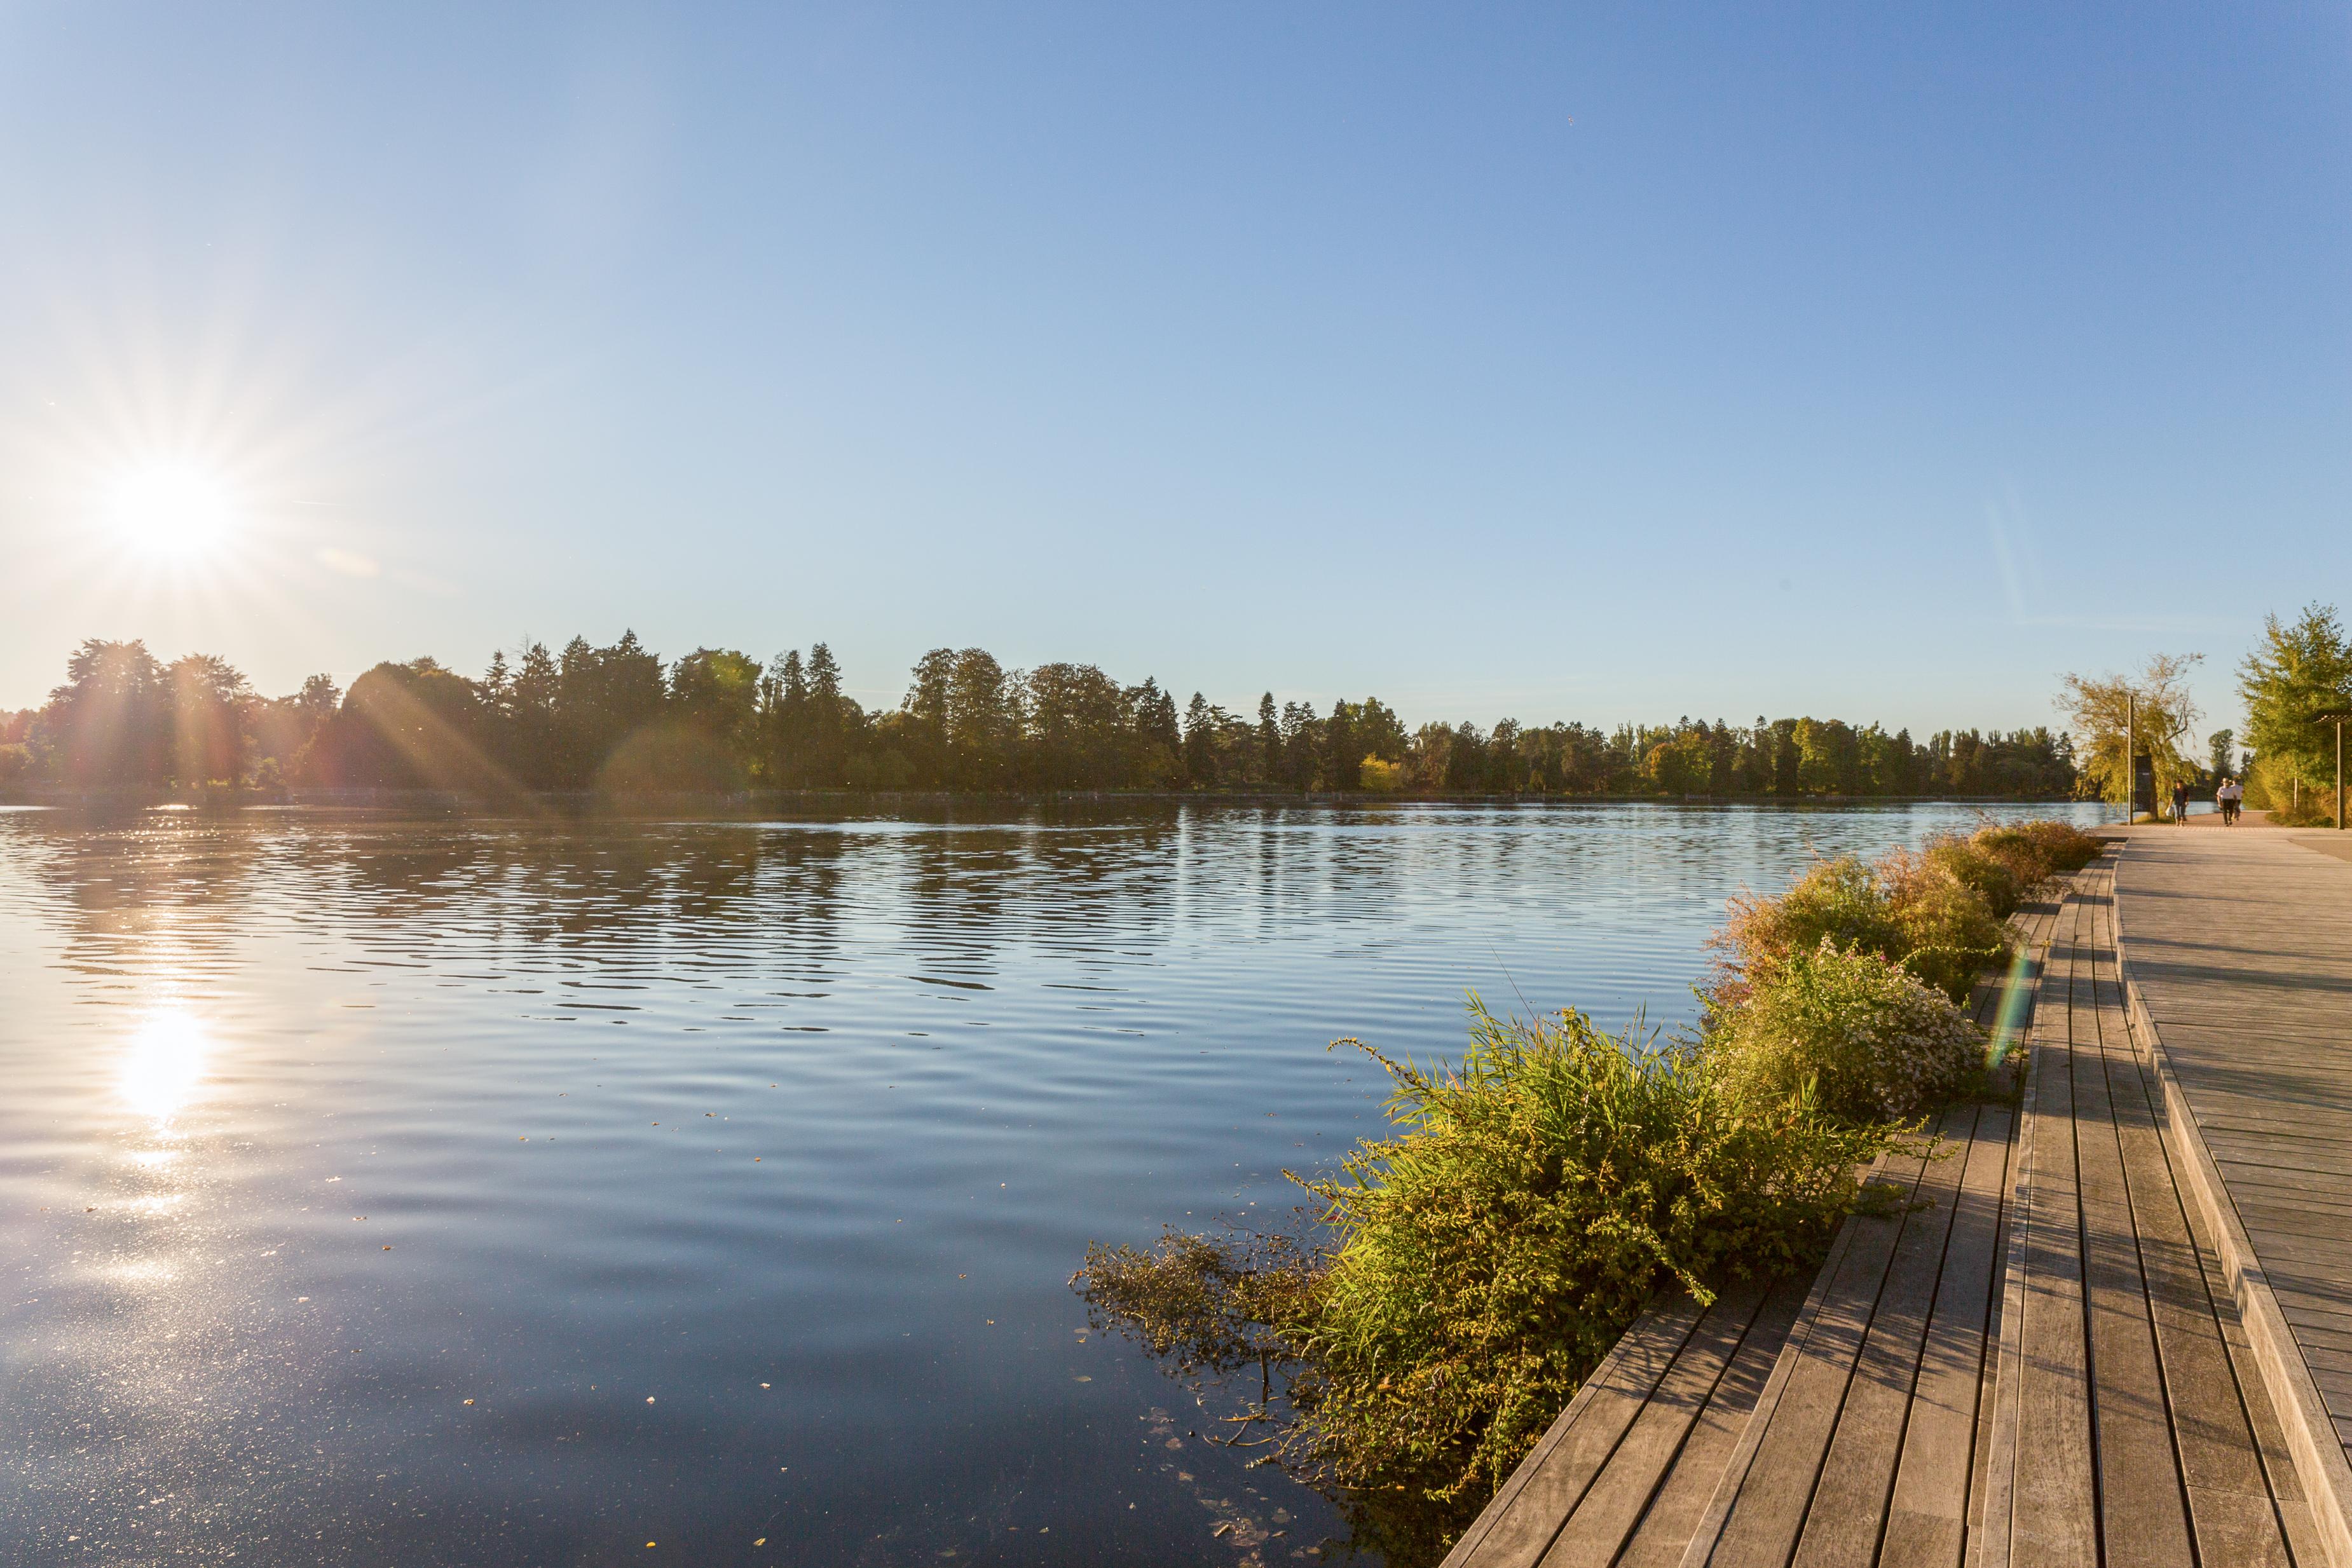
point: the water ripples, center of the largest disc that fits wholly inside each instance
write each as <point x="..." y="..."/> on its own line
<point x="732" y="1171"/>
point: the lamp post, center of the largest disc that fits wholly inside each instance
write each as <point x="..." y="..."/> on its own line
<point x="2338" y="719"/>
<point x="2131" y="763"/>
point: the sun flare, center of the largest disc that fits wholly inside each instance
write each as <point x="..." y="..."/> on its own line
<point x="174" y="509"/>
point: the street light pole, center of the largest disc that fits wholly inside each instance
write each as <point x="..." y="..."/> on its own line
<point x="2338" y="720"/>
<point x="2131" y="763"/>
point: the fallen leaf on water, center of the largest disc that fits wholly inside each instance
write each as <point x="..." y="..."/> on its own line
<point x="1079" y="1380"/>
<point x="469" y="1402"/>
<point x="649" y="1398"/>
<point x="761" y="1542"/>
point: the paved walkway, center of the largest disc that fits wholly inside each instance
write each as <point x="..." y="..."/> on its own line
<point x="2042" y="1358"/>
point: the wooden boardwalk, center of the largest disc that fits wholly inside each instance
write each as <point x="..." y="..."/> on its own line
<point x="2239" y="948"/>
<point x="2037" y="1357"/>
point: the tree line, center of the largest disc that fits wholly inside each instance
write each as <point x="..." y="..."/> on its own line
<point x="621" y="719"/>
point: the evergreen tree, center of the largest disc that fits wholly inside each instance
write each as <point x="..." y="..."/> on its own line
<point x="1199" y="744"/>
<point x="1343" y="759"/>
<point x="1300" y="735"/>
<point x="1269" y="742"/>
<point x="927" y="709"/>
<point x="828" y="713"/>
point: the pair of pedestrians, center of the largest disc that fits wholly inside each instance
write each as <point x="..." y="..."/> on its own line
<point x="2227" y="799"/>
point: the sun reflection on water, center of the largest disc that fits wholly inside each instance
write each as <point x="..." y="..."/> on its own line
<point x="166" y="1064"/>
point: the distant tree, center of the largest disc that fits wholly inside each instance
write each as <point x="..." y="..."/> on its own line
<point x="412" y="725"/>
<point x="1078" y="736"/>
<point x="1343" y="756"/>
<point x="533" y="746"/>
<point x="785" y="722"/>
<point x="212" y="709"/>
<point x="2153" y="707"/>
<point x="984" y="722"/>
<point x="1829" y="757"/>
<point x="829" y="720"/>
<point x="1429" y="762"/>
<point x="1379" y="732"/>
<point x="111" y="723"/>
<point x="2221" y="756"/>
<point x="1199" y="744"/>
<point x="1683" y="765"/>
<point x="1300" y="738"/>
<point x="715" y="693"/>
<point x="1466" y="760"/>
<point x="2298" y="671"/>
<point x="1269" y="742"/>
<point x="927" y="715"/>
<point x="1156" y="757"/>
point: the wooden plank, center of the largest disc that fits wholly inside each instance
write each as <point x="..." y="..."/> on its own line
<point x="1665" y="1532"/>
<point x="1601" y="1523"/>
<point x="1526" y="1511"/>
<point x="1993" y="1491"/>
<point x="1926" y="1516"/>
<point x="2142" y="1517"/>
<point x="1843" y="1520"/>
<point x="1760" y="1503"/>
<point x="2051" y="1518"/>
<point x="2008" y="1286"/>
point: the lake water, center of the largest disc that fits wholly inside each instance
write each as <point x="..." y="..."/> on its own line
<point x="402" y="1192"/>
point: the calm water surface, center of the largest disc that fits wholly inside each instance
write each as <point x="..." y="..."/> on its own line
<point x="395" y="1191"/>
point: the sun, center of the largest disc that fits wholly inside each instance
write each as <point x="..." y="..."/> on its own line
<point x="179" y="510"/>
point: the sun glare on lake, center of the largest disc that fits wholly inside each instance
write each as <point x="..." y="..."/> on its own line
<point x="164" y="1064"/>
<point x="176" y="510"/>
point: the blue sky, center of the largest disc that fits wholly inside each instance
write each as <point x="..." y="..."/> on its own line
<point x="1884" y="362"/>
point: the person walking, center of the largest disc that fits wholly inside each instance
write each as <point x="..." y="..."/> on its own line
<point x="2180" y="803"/>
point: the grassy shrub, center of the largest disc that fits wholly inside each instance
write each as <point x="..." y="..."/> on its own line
<point x="1869" y="1041"/>
<point x="2036" y="851"/>
<point x="1484" y="1259"/>
<point x="1938" y="912"/>
<point x="1838" y="901"/>
<point x="1950" y="932"/>
<point x="1997" y="875"/>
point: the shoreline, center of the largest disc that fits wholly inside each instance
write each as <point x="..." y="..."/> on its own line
<point x="594" y="803"/>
